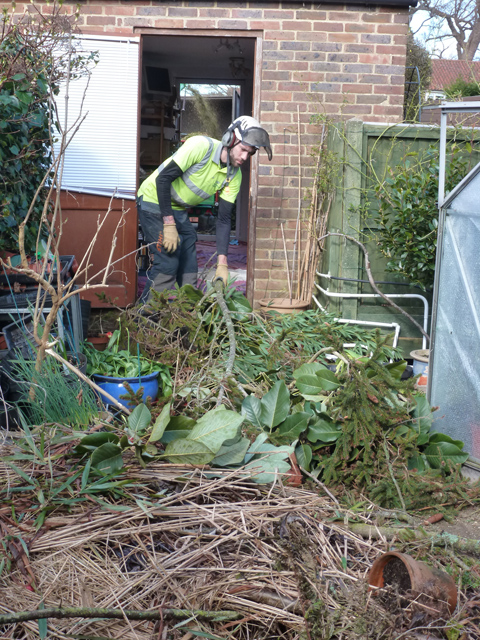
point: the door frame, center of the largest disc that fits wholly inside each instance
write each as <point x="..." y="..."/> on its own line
<point x="256" y="101"/>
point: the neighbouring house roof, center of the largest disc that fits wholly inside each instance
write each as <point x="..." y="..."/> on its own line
<point x="444" y="72"/>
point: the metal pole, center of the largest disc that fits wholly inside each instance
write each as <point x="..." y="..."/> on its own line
<point x="443" y="155"/>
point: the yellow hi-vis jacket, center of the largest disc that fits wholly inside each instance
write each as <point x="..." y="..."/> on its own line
<point x="203" y="175"/>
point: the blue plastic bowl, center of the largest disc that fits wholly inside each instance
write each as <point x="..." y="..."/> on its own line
<point x="114" y="386"/>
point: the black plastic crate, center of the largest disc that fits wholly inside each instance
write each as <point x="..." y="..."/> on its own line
<point x="66" y="272"/>
<point x="19" y="336"/>
<point x="22" y="300"/>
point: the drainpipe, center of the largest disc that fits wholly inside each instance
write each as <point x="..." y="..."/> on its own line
<point x="331" y="294"/>
<point x="367" y="323"/>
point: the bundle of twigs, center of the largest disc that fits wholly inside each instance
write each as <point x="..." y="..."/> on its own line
<point x="316" y="228"/>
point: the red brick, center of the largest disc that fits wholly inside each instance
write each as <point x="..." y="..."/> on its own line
<point x="210" y="12"/>
<point x="386" y="110"/>
<point x="390" y="49"/>
<point x="248" y="13"/>
<point x="374" y="59"/>
<point x="263" y="25"/>
<point x="392" y="28"/>
<point x="278" y="96"/>
<point x="343" y="37"/>
<point x="96" y="9"/>
<point x="233" y="24"/>
<point x="357" y="88"/>
<point x="343" y="16"/>
<point x="376" y="17"/>
<point x="100" y="20"/>
<point x="124" y="11"/>
<point x="297" y="25"/>
<point x="311" y="14"/>
<point x="169" y="23"/>
<point x="279" y="35"/>
<point x="200" y="24"/>
<point x="182" y="12"/>
<point x="389" y="89"/>
<point x="278" y="14"/>
<point x="359" y="28"/>
<point x="328" y="26"/>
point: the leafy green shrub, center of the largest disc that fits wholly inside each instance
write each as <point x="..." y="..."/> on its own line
<point x="408" y="212"/>
<point x="460" y="88"/>
<point x="36" y="55"/>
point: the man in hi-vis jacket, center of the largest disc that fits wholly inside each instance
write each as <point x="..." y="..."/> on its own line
<point x="201" y="167"/>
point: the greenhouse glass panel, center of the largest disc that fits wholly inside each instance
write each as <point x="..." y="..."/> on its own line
<point x="454" y="361"/>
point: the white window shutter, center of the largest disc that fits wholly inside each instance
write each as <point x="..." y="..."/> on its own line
<point x="101" y="159"/>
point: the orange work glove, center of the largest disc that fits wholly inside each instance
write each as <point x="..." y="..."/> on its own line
<point x="222" y="273"/>
<point x="171" y="239"/>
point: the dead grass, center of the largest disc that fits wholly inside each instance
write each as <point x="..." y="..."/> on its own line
<point x="278" y="555"/>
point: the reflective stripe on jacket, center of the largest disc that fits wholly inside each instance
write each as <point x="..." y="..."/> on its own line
<point x="203" y="175"/>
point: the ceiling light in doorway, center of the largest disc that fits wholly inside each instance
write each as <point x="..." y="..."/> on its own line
<point x="238" y="68"/>
<point x="229" y="45"/>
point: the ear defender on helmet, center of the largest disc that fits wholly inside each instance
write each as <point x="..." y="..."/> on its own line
<point x="229" y="137"/>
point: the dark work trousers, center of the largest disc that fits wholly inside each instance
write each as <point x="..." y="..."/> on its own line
<point x="167" y="268"/>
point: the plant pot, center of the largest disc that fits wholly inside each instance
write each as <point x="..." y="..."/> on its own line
<point x="114" y="386"/>
<point x="283" y="305"/>
<point x="420" y="361"/>
<point x="405" y="574"/>
<point x="99" y="342"/>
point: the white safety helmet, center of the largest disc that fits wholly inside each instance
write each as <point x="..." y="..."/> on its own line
<point x="247" y="130"/>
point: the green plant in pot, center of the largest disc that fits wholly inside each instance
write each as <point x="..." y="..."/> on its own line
<point x="115" y="369"/>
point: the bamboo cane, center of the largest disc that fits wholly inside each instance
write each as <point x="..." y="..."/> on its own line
<point x="286" y="260"/>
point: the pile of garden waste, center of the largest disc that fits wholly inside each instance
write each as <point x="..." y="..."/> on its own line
<point x="248" y="501"/>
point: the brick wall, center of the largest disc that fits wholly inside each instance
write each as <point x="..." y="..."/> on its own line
<point x="341" y="60"/>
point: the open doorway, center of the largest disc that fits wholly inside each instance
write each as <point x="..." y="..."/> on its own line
<point x="221" y="69"/>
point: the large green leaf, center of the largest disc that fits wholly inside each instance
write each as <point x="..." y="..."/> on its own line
<point x="275" y="405"/>
<point x="309" y="368"/>
<point x="312" y="386"/>
<point x="422" y="414"/>
<point x="95" y="440"/>
<point x="443" y="437"/>
<point x="185" y="451"/>
<point x="255" y="446"/>
<point x="160" y="423"/>
<point x="322" y="430"/>
<point x="417" y="463"/>
<point x="329" y="379"/>
<point x="294" y="425"/>
<point x="107" y="458"/>
<point x="252" y="409"/>
<point x="396" y="368"/>
<point x="178" y="427"/>
<point x="265" y="470"/>
<point x="436" y="453"/>
<point x="233" y="454"/>
<point x="216" y="426"/>
<point x="139" y="419"/>
<point x="303" y="453"/>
